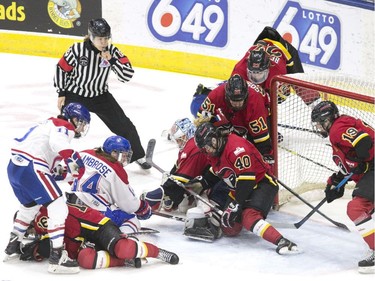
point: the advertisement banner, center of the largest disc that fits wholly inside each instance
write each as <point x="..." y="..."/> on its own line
<point x="68" y="17"/>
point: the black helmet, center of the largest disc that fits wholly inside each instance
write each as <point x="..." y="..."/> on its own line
<point x="258" y="65"/>
<point x="236" y="89"/>
<point x="99" y="28"/>
<point x="322" y="117"/>
<point x="209" y="140"/>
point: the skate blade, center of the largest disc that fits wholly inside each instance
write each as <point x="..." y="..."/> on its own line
<point x="12" y="257"/>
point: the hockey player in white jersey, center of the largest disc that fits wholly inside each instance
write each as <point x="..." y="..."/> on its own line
<point x="31" y="175"/>
<point x="105" y="185"/>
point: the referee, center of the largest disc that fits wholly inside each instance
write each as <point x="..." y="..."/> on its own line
<point x="82" y="76"/>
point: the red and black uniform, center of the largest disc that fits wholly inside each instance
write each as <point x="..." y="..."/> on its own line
<point x="84" y="224"/>
<point x="353" y="151"/>
<point x="252" y="186"/>
<point x="280" y="59"/>
<point x="252" y="119"/>
<point x="191" y="163"/>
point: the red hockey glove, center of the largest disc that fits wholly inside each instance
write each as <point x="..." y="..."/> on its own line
<point x="75" y="165"/>
<point x="144" y="211"/>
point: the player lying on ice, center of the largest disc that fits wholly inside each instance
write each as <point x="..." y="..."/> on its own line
<point x="94" y="240"/>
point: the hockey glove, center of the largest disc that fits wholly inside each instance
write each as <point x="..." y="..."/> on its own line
<point x="197" y="184"/>
<point x="75" y="165"/>
<point x="59" y="173"/>
<point x="331" y="191"/>
<point x="144" y="212"/>
<point x="230" y="215"/>
<point x="357" y="167"/>
<point x="29" y="251"/>
<point x="118" y="216"/>
<point x="283" y="93"/>
<point x="269" y="159"/>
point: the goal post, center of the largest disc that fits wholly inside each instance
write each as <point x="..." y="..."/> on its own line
<point x="303" y="160"/>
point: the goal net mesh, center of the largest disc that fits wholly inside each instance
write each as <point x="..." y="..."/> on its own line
<point x="303" y="159"/>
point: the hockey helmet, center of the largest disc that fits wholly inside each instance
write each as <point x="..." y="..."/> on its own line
<point x="81" y="115"/>
<point x="322" y="117"/>
<point x="236" y="92"/>
<point x="99" y="28"/>
<point x="182" y="130"/>
<point x="258" y="65"/>
<point x="209" y="140"/>
<point x="119" y="148"/>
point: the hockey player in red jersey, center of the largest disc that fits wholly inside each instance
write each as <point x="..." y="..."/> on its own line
<point x="253" y="188"/>
<point x="191" y="163"/>
<point x="352" y="143"/>
<point x="94" y="240"/>
<point x="239" y="104"/>
<point x="271" y="55"/>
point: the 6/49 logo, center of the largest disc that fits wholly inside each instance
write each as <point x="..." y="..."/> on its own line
<point x="315" y="34"/>
<point x="202" y="22"/>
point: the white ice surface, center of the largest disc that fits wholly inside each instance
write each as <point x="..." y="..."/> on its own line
<point x="154" y="100"/>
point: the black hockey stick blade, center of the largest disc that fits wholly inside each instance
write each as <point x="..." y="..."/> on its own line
<point x="150" y="150"/>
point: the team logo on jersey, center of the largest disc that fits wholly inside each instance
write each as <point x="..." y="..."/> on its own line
<point x="64" y="12"/>
<point x="202" y="22"/>
<point x="315" y="34"/>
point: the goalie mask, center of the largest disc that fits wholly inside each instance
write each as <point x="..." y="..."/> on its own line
<point x="236" y="92"/>
<point x="322" y="117"/>
<point x="209" y="140"/>
<point x="258" y="65"/>
<point x="119" y="148"/>
<point x="181" y="131"/>
<point x="79" y="116"/>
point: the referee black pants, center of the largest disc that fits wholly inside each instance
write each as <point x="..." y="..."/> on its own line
<point x="111" y="113"/>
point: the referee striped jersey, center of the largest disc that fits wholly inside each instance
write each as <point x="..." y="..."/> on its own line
<point x="82" y="71"/>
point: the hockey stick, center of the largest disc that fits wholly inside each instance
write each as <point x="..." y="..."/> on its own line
<point x="168" y="216"/>
<point x="316" y="208"/>
<point x="338" y="224"/>
<point x="150" y="153"/>
<point x="296" y="128"/>
<point x="149" y="156"/>
<point x="305" y="158"/>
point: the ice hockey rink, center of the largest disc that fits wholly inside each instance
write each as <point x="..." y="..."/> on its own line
<point x="154" y="100"/>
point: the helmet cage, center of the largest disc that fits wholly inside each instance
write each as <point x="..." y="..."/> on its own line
<point x="182" y="130"/>
<point x="258" y="65"/>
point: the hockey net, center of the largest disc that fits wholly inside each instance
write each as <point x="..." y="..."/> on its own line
<point x="303" y="160"/>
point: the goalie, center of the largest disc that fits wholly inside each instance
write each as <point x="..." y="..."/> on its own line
<point x="191" y="164"/>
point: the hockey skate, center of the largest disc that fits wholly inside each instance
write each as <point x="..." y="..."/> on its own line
<point x="286" y="247"/>
<point x="168" y="257"/>
<point x="13" y="250"/>
<point x="366" y="266"/>
<point x="60" y="263"/>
